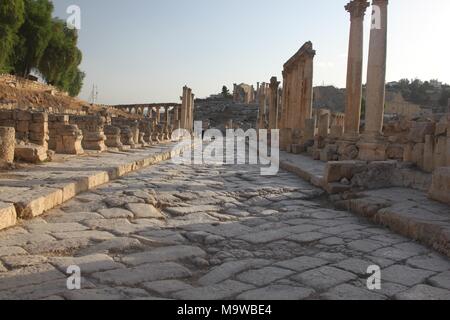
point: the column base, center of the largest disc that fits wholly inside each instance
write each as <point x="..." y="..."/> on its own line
<point x="372" y="148"/>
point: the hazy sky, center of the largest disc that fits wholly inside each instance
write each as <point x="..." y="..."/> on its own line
<point x="140" y="51"/>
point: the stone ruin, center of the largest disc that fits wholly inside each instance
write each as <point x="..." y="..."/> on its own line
<point x="243" y="93"/>
<point x="376" y="152"/>
<point x="31" y="134"/>
<point x="34" y="136"/>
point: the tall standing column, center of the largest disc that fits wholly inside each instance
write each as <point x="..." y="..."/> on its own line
<point x="191" y="112"/>
<point x="308" y="88"/>
<point x="376" y="70"/>
<point x="166" y="115"/>
<point x="273" y="104"/>
<point x="373" y="146"/>
<point x="262" y="109"/>
<point x="158" y="115"/>
<point x="357" y="9"/>
<point x="184" y="108"/>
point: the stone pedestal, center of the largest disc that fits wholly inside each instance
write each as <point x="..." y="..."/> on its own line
<point x="69" y="140"/>
<point x="7" y="145"/>
<point x="372" y="151"/>
<point x="94" y="141"/>
<point x="127" y="137"/>
<point x="113" y="137"/>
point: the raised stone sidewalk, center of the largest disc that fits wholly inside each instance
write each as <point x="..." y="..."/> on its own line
<point x="29" y="192"/>
<point x="403" y="210"/>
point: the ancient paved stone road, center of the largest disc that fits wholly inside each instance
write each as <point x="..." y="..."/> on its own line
<point x="218" y="233"/>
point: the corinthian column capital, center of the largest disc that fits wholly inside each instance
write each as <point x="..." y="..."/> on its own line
<point x="357" y="8"/>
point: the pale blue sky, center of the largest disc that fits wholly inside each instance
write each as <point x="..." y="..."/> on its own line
<point x="141" y="51"/>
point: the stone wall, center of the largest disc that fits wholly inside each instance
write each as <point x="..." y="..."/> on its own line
<point x="64" y="137"/>
<point x="297" y="97"/>
<point x="31" y="131"/>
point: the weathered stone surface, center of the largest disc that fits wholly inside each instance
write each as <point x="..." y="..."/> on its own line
<point x="33" y="275"/>
<point x="166" y="286"/>
<point x="440" y="189"/>
<point x="143" y="273"/>
<point x="88" y="264"/>
<point x="115" y="213"/>
<point x="8" y="216"/>
<point x="163" y="255"/>
<point x="441" y="280"/>
<point x="7" y="145"/>
<point x="221" y="291"/>
<point x="277" y="292"/>
<point x="11" y="251"/>
<point x="350" y="292"/>
<point x="230" y="269"/>
<point x="302" y="264"/>
<point x="424" y="292"/>
<point x="264" y="276"/>
<point x="324" y="277"/>
<point x="405" y="275"/>
<point x="141" y="210"/>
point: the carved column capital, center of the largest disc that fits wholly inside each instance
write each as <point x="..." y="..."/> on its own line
<point x="357" y="8"/>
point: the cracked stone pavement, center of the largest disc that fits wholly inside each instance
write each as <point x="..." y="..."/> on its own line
<point x="208" y="232"/>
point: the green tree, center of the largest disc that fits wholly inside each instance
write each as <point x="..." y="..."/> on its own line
<point x="33" y="35"/>
<point x="60" y="61"/>
<point x="225" y="92"/>
<point x="12" y="14"/>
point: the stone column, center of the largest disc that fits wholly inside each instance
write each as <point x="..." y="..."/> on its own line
<point x="373" y="146"/>
<point x="273" y="104"/>
<point x="158" y="115"/>
<point x="262" y="110"/>
<point x="184" y="108"/>
<point x="357" y="9"/>
<point x="308" y="88"/>
<point x="191" y="118"/>
<point x="376" y="70"/>
<point x="448" y="144"/>
<point x="7" y="145"/>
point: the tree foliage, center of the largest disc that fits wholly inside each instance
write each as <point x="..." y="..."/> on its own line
<point x="225" y="92"/>
<point x="31" y="39"/>
<point x="12" y="15"/>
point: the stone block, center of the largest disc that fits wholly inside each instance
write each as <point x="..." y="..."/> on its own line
<point x="7" y="145"/>
<point x="329" y="153"/>
<point x="372" y="151"/>
<point x="419" y="130"/>
<point x="298" y="148"/>
<point x="428" y="154"/>
<point x="338" y="170"/>
<point x="395" y="151"/>
<point x="336" y="131"/>
<point x="8" y="216"/>
<point x="30" y="153"/>
<point x="417" y="154"/>
<point x="440" y="188"/>
<point x="22" y="115"/>
<point x="6" y="115"/>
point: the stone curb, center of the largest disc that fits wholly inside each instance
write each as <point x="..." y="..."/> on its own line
<point x="35" y="202"/>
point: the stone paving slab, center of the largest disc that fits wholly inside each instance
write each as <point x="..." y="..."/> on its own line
<point x="406" y="211"/>
<point x="303" y="166"/>
<point x="28" y="193"/>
